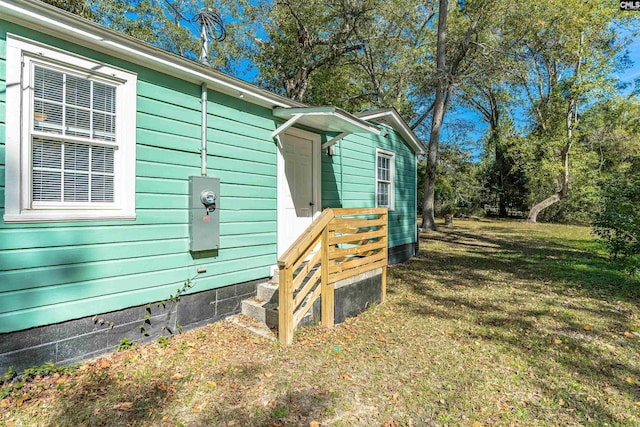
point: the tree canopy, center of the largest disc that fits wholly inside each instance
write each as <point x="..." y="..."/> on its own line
<point x="539" y="75"/>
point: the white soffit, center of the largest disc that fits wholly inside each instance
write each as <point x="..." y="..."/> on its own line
<point x="326" y="119"/>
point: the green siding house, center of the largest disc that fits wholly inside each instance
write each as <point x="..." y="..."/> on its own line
<point x="100" y="135"/>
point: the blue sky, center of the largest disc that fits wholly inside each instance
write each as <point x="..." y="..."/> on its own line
<point x="633" y="72"/>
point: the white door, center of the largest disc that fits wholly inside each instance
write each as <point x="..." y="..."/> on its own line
<point x="298" y="197"/>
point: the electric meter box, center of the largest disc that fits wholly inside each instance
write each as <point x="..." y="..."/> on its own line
<point x="204" y="213"/>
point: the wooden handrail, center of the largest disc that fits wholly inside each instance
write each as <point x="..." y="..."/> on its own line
<point x="351" y="241"/>
<point x="306" y="238"/>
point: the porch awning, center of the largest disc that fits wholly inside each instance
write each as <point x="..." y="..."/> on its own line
<point x="326" y="119"/>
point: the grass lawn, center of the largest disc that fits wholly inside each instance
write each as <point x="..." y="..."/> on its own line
<point x="494" y="323"/>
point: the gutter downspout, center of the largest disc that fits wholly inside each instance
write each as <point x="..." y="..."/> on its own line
<point x="203" y="135"/>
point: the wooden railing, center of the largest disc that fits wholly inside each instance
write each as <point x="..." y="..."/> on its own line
<point x="340" y="243"/>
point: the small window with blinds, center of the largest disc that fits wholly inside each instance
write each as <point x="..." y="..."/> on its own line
<point x="74" y="137"/>
<point x="385" y="179"/>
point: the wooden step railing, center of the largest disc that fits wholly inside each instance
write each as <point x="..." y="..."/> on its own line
<point x="340" y="243"/>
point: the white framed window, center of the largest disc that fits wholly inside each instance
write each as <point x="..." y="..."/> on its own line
<point x="385" y="179"/>
<point x="70" y="151"/>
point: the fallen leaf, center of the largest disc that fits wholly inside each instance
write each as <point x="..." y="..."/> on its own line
<point x="314" y="424"/>
<point x="629" y="334"/>
<point x="103" y="363"/>
<point x="177" y="376"/>
<point x="268" y="374"/>
<point x="557" y="341"/>
<point x="123" y="406"/>
<point x="162" y="387"/>
<point x="476" y="425"/>
<point x="273" y="404"/>
<point x="5" y="403"/>
<point x="587" y="327"/>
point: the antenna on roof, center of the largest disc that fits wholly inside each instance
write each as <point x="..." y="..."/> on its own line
<point x="211" y="27"/>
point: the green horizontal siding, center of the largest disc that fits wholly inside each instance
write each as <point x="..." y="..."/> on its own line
<point x="89" y="286"/>
<point x="160" y="283"/>
<point x="349" y="180"/>
<point x="51" y="272"/>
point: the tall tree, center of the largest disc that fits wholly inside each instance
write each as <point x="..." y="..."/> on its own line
<point x="566" y="58"/>
<point x="356" y="55"/>
<point x="457" y="50"/>
<point x="302" y="37"/>
<point x="439" y="108"/>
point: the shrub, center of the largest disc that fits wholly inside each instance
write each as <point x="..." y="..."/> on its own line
<point x="618" y="222"/>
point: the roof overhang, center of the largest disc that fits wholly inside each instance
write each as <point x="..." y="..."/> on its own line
<point x="50" y="20"/>
<point x="390" y="117"/>
<point x="326" y="119"/>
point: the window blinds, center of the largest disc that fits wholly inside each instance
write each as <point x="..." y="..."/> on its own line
<point x="384" y="180"/>
<point x="70" y="171"/>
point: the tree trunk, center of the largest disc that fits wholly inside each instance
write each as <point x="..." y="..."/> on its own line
<point x="428" y="220"/>
<point x="539" y="207"/>
<point x="502" y="202"/>
<point x="563" y="180"/>
<point x="570" y="121"/>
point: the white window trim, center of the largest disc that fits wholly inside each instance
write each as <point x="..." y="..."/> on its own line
<point x="392" y="188"/>
<point x="18" y="204"/>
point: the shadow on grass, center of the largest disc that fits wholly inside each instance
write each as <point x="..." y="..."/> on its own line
<point x="576" y="264"/>
<point x="103" y="400"/>
<point x="534" y="307"/>
<point x="292" y="408"/>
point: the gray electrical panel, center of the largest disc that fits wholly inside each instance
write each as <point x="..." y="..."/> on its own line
<point x="204" y="213"/>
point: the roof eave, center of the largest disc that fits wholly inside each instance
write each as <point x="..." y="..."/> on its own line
<point x="400" y="125"/>
<point x="352" y="123"/>
<point x="40" y="16"/>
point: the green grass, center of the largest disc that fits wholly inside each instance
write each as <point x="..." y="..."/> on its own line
<point x="494" y="323"/>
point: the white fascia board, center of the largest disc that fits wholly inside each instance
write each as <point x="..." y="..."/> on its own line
<point x="287" y="112"/>
<point x="399" y="124"/>
<point x="330" y="112"/>
<point x="347" y="117"/>
<point x="56" y="22"/>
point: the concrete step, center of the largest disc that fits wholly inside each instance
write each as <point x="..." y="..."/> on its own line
<point x="268" y="292"/>
<point x="261" y="310"/>
<point x="252" y="325"/>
